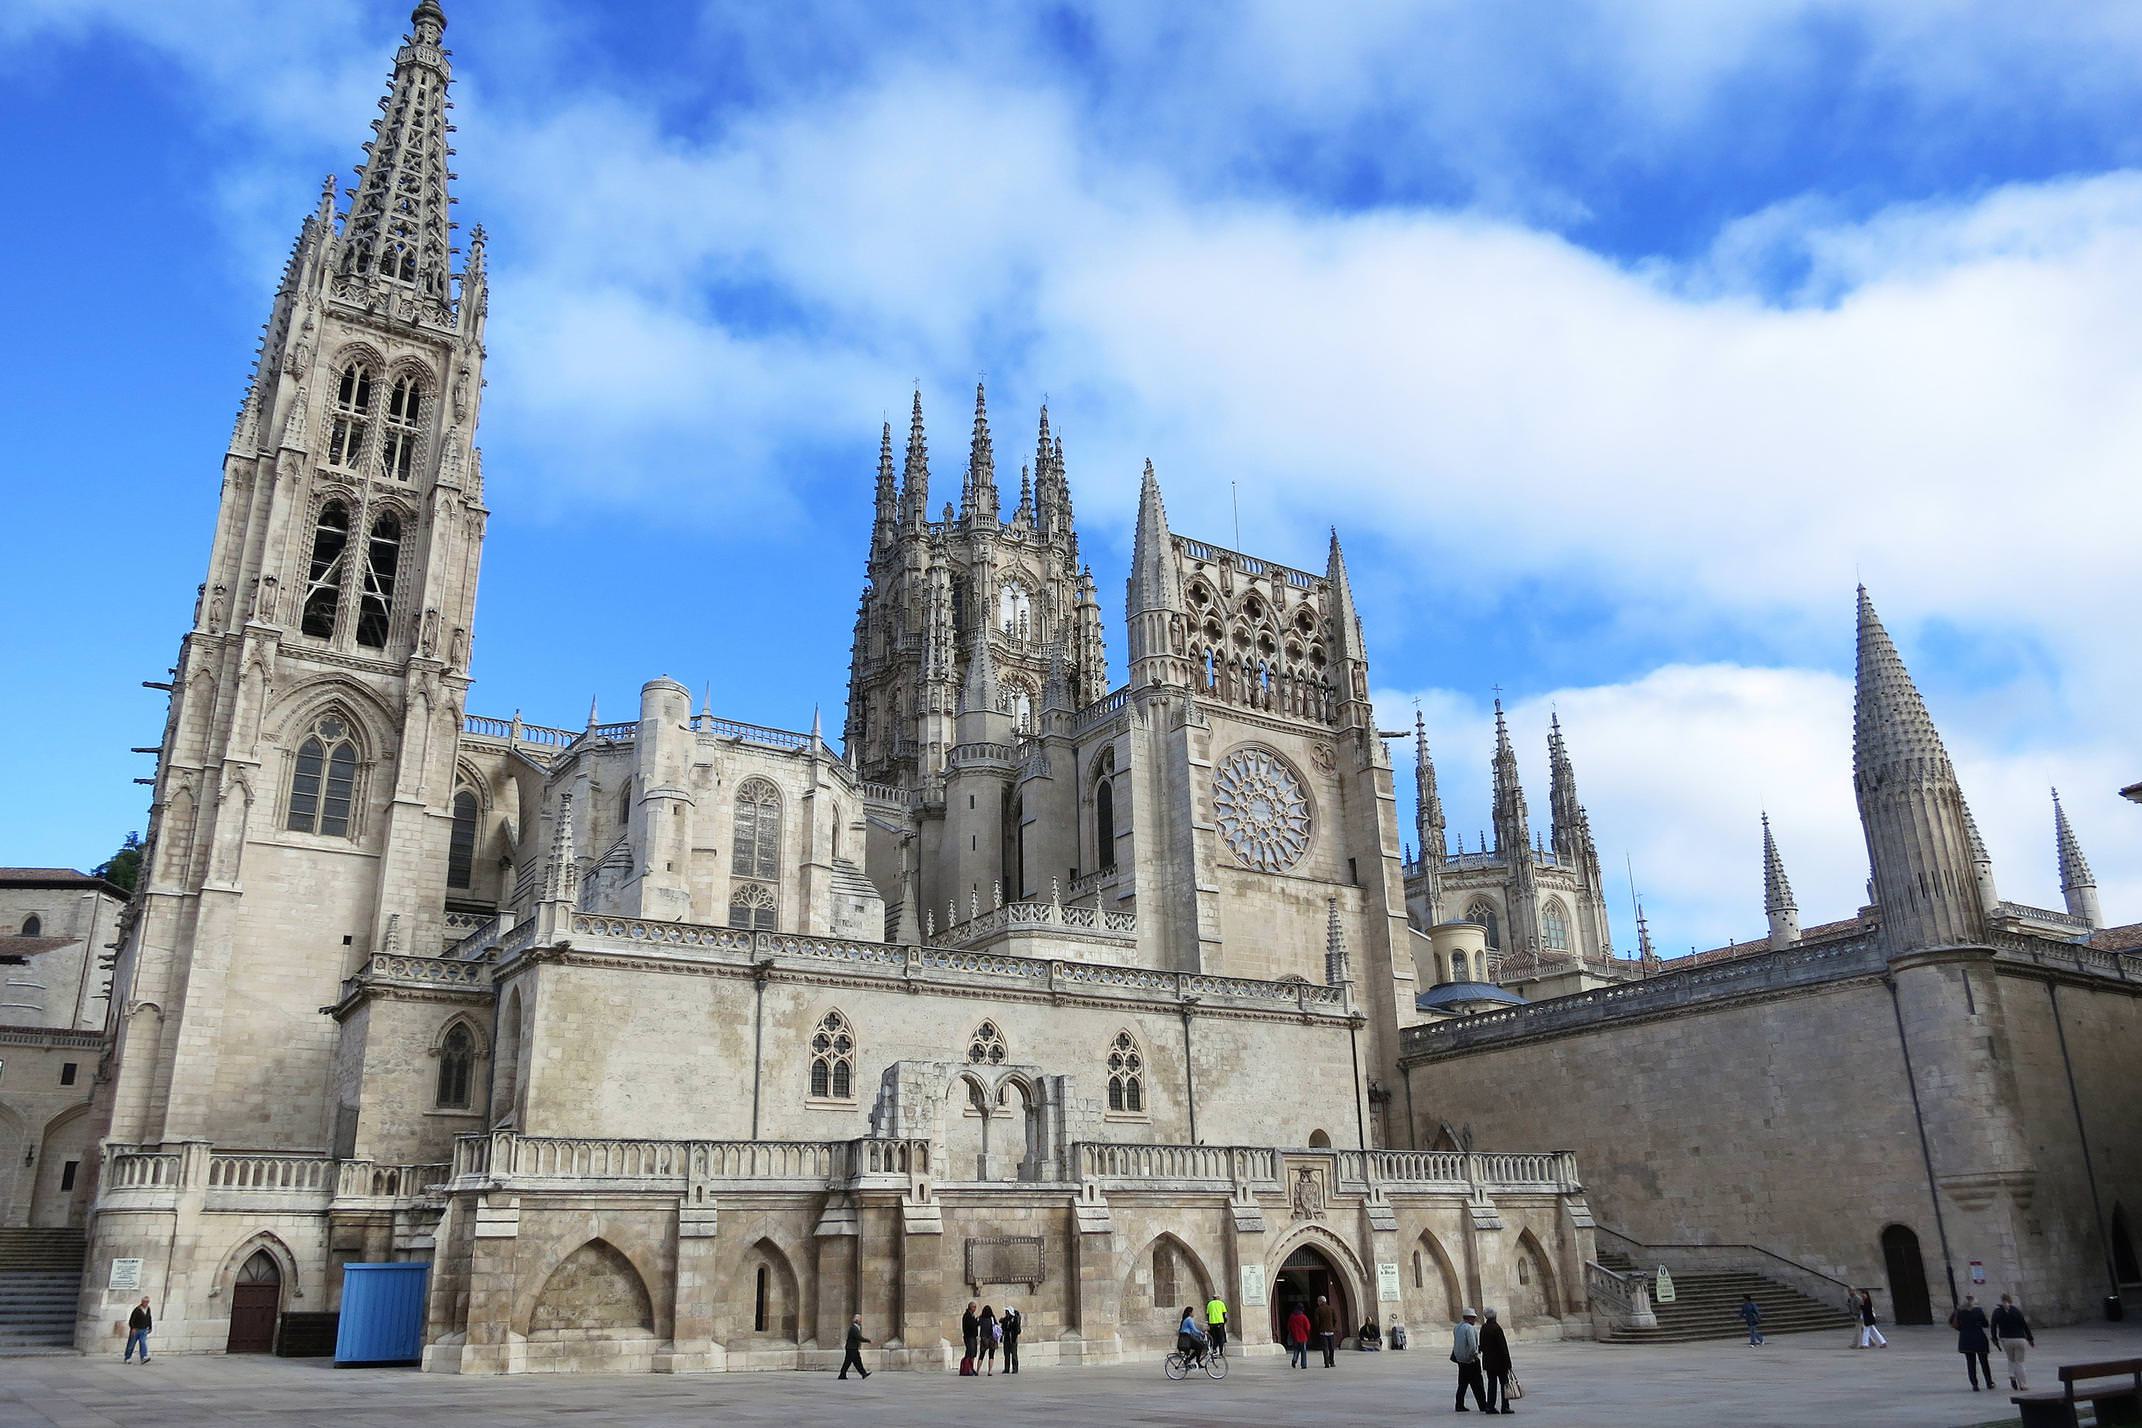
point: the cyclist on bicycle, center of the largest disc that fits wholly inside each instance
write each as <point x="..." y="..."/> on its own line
<point x="1190" y="1340"/>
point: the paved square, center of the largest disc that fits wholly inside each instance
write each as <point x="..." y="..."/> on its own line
<point x="1795" y="1379"/>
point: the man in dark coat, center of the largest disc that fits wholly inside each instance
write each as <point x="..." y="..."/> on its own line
<point x="1013" y="1324"/>
<point x="854" y="1360"/>
<point x="138" y="1325"/>
<point x="1495" y="1364"/>
<point x="1969" y="1322"/>
<point x="1327" y="1329"/>
<point x="970" y="1324"/>
<point x="2011" y="1331"/>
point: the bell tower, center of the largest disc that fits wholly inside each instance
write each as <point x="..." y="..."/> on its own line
<point x="303" y="797"/>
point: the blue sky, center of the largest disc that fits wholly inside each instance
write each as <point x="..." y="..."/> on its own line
<point x="1618" y="341"/>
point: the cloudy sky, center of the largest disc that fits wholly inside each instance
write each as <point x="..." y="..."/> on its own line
<point x="1618" y="341"/>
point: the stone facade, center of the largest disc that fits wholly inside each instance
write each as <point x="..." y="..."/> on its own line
<point x="669" y="1043"/>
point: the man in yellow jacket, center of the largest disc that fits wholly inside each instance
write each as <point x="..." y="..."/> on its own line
<point x="1216" y="1323"/>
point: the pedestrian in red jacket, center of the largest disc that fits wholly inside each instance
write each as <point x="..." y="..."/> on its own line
<point x="1298" y="1338"/>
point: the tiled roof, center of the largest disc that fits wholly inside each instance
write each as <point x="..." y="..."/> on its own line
<point x="2118" y="939"/>
<point x="57" y="878"/>
<point x="1820" y="932"/>
<point x="14" y="946"/>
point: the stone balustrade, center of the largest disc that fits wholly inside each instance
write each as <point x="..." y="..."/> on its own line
<point x="369" y="1180"/>
<point x="1125" y="1164"/>
<point x="507" y="1156"/>
<point x="271" y="1174"/>
<point x="1100" y="711"/>
<point x="1045" y="917"/>
<point x="133" y="1167"/>
<point x="1618" y="1301"/>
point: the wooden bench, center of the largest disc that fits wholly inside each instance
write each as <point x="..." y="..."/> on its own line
<point x="2112" y="1402"/>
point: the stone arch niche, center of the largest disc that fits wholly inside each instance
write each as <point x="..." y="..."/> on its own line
<point x="1159" y="1282"/>
<point x="765" y="1300"/>
<point x="593" y="1311"/>
<point x="1532" y="1289"/>
<point x="1439" y="1291"/>
<point x="1309" y="1264"/>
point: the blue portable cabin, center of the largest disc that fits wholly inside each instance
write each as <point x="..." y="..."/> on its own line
<point x="382" y="1314"/>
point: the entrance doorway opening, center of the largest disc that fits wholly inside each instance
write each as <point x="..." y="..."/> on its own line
<point x="2124" y="1266"/>
<point x="1908" y="1301"/>
<point x="1305" y="1276"/>
<point x="255" y="1299"/>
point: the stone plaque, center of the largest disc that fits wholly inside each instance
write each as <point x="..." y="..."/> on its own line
<point x="1387" y="1282"/>
<point x="126" y="1274"/>
<point x="1252" y="1284"/>
<point x="1007" y="1259"/>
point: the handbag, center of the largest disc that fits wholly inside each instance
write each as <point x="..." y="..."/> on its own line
<point x="1512" y="1390"/>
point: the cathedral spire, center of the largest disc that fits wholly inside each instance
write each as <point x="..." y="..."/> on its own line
<point x="1513" y="825"/>
<point x="1428" y="820"/>
<point x="1778" y="904"/>
<point x="1338" y="970"/>
<point x="1910" y="806"/>
<point x="2077" y="884"/>
<point x="561" y="871"/>
<point x="888" y="493"/>
<point x="915" y="475"/>
<point x="1354" y="710"/>
<point x="1572" y="826"/>
<point x="978" y="496"/>
<point x="397" y="234"/>
<point x="1024" y="516"/>
<point x="1155" y="594"/>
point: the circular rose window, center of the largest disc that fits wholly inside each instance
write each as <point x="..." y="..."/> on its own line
<point x="1257" y="801"/>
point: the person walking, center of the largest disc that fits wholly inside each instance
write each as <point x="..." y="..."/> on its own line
<point x="989" y="1332"/>
<point x="1751" y="1314"/>
<point x="1327" y="1330"/>
<point x="970" y="1325"/>
<point x="1216" y="1322"/>
<point x="1465" y="1353"/>
<point x="1298" y="1337"/>
<point x="1011" y="1325"/>
<point x="2011" y="1331"/>
<point x="1869" y="1336"/>
<point x="854" y="1358"/>
<point x="1495" y="1364"/>
<point x="138" y="1325"/>
<point x="1969" y="1322"/>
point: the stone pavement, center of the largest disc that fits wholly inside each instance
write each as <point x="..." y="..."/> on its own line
<point x="1795" y="1379"/>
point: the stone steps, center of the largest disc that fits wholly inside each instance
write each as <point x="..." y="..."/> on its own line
<point x="1707" y="1306"/>
<point x="40" y="1282"/>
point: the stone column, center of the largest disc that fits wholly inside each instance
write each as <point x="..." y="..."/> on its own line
<point x="494" y="1277"/>
<point x="691" y="1346"/>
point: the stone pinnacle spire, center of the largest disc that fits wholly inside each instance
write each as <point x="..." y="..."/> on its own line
<point x="888" y="492"/>
<point x="1337" y="968"/>
<point x="1155" y="593"/>
<point x="1428" y="820"/>
<point x="561" y="871"/>
<point x="978" y="497"/>
<point x="2077" y="884"/>
<point x="1513" y="825"/>
<point x="1918" y="844"/>
<point x="1024" y="516"/>
<point x="396" y="236"/>
<point x="1778" y="904"/>
<point x="915" y="475"/>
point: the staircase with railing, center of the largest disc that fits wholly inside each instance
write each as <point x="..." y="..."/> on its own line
<point x="1706" y="1305"/>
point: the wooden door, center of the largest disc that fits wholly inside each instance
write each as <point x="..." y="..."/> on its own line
<point x="253" y="1309"/>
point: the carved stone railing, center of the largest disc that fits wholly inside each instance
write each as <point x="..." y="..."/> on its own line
<point x="2066" y="956"/>
<point x="1672" y="991"/>
<point x="1128" y="1164"/>
<point x="513" y="731"/>
<point x="133" y="1167"/>
<point x="369" y="1180"/>
<point x="672" y="934"/>
<point x="506" y="1156"/>
<point x="1248" y="565"/>
<point x="54" y="1037"/>
<point x="1416" y="1167"/>
<point x="760" y="734"/>
<point x="1523" y="1170"/>
<point x="886" y="793"/>
<point x="982" y="752"/>
<point x="271" y="1174"/>
<point x="1101" y="710"/>
<point x="1618" y="1301"/>
<point x="1038" y="916"/>
<point x="480" y="936"/>
<point x="1091" y="883"/>
<point x="403" y="969"/>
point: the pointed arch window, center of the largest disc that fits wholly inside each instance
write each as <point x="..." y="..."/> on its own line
<point x="461" y="843"/>
<point x="1126" y="1076"/>
<point x="751" y="907"/>
<point x="758" y="831"/>
<point x="457" y="1067"/>
<point x="398" y="444"/>
<point x="323" y="780"/>
<point x="1483" y="913"/>
<point x="323" y="582"/>
<point x="1554" y="926"/>
<point x="833" y="1059"/>
<point x="352" y="416"/>
<point x="383" y="554"/>
<point x="33" y="926"/>
<point x="986" y="1046"/>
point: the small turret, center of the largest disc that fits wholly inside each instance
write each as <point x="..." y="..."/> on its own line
<point x="1778" y="904"/>
<point x="2077" y="884"/>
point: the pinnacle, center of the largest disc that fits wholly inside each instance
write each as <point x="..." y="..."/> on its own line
<point x="1890" y="726"/>
<point x="2074" y="868"/>
<point x="1777" y="888"/>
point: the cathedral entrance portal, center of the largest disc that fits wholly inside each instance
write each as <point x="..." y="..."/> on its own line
<point x="1306" y="1276"/>
<point x="1908" y="1299"/>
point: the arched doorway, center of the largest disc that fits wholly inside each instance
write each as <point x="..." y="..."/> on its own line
<point x="1908" y="1300"/>
<point x="255" y="1300"/>
<point x="1308" y="1275"/>
<point x="2124" y="1266"/>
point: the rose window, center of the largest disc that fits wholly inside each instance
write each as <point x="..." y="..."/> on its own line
<point x="1258" y="803"/>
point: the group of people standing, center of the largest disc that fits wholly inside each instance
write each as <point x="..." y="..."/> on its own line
<point x="984" y="1333"/>
<point x="1482" y="1354"/>
<point x="1300" y="1326"/>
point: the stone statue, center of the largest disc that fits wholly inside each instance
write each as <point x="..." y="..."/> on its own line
<point x="215" y="610"/>
<point x="1308" y="1194"/>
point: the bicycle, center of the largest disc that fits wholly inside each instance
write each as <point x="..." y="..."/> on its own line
<point x="1178" y="1364"/>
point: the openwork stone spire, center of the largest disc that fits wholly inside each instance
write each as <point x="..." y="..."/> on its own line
<point x="1338" y="969"/>
<point x="400" y="219"/>
<point x="1918" y="843"/>
<point x="978" y="498"/>
<point x="1428" y="820"/>
<point x="1778" y="904"/>
<point x="561" y="872"/>
<point x="1155" y="594"/>
<point x="888" y="493"/>
<point x="1513" y="835"/>
<point x="915" y="475"/>
<point x="2077" y="884"/>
